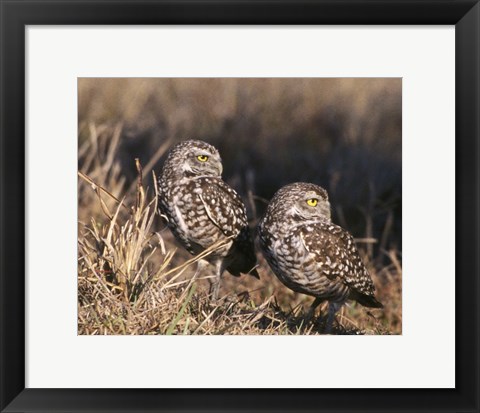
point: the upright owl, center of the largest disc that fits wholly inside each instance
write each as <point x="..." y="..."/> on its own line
<point x="203" y="210"/>
<point x="311" y="255"/>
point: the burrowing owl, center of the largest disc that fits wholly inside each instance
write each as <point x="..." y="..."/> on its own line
<point x="311" y="255"/>
<point x="202" y="210"/>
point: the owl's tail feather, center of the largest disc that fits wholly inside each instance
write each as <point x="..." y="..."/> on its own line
<point x="367" y="300"/>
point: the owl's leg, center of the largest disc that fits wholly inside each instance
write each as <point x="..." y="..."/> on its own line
<point x="311" y="310"/>
<point x="201" y="264"/>
<point x="215" y="283"/>
<point x="332" y="309"/>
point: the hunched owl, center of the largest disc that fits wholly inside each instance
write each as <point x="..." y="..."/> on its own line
<point x="310" y="254"/>
<point x="203" y="210"/>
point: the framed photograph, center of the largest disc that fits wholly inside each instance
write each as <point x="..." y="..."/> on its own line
<point x="239" y="206"/>
<point x="198" y="271"/>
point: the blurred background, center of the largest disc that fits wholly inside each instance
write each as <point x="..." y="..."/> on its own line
<point x="342" y="134"/>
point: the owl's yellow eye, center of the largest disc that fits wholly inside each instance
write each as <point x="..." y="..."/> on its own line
<point x="202" y="158"/>
<point x="312" y="202"/>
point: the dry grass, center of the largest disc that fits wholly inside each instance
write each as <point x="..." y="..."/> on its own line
<point x="132" y="278"/>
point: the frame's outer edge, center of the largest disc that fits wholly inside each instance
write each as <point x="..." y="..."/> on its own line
<point x="12" y="205"/>
<point x="245" y="12"/>
<point x="14" y="17"/>
<point x="467" y="191"/>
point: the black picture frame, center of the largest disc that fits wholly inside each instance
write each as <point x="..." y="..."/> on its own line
<point x="16" y="15"/>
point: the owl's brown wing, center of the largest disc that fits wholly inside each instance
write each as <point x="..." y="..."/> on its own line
<point x="226" y="210"/>
<point x="223" y="205"/>
<point x="334" y="250"/>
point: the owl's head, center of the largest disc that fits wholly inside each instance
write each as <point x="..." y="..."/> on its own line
<point x="301" y="201"/>
<point x="195" y="158"/>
